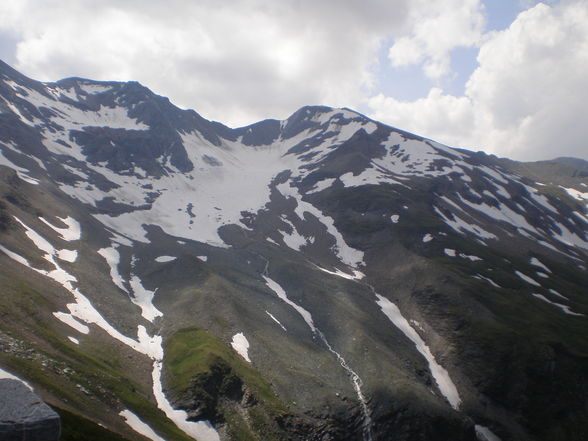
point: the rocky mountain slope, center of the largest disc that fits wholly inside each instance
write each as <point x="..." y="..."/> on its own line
<point x="325" y="277"/>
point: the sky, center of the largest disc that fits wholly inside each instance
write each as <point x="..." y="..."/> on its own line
<point x="508" y="77"/>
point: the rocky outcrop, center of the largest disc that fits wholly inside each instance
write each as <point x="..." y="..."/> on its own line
<point x="23" y="416"/>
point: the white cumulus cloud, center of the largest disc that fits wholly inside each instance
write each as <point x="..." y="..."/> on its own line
<point x="233" y="61"/>
<point x="437" y="29"/>
<point x="526" y="99"/>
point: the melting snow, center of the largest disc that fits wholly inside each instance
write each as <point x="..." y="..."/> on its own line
<point x="321" y="185"/>
<point x="73" y="340"/>
<point x="112" y="257"/>
<point x="143" y="298"/>
<point x="440" y="375"/>
<point x="357" y="275"/>
<point x="70" y="320"/>
<point x="16" y="257"/>
<point x="241" y="345"/>
<point x="293" y="240"/>
<point x="346" y="254"/>
<point x="93" y="89"/>
<point x="276" y="320"/>
<point x="555" y="293"/>
<point x="203" y="258"/>
<point x="201" y="430"/>
<point x="163" y="259"/>
<point x="564" y="308"/>
<point x="73" y="231"/>
<point x="20" y="171"/>
<point x="527" y="279"/>
<point x="537" y="262"/>
<point x="139" y="426"/>
<point x="449" y="252"/>
<point x="576" y="194"/>
<point x="472" y="258"/>
<point x="282" y="295"/>
<point x="394" y="218"/>
<point x="427" y="238"/>
<point x="485" y="434"/>
<point x="7" y="375"/>
<point x="460" y="226"/>
<point x="67" y="255"/>
<point x="490" y="281"/>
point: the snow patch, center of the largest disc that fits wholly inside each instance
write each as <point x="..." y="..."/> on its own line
<point x="427" y="238"/>
<point x="441" y="376"/>
<point x="555" y="293"/>
<point x="357" y="275"/>
<point x="112" y="258"/>
<point x="564" y="308"/>
<point x="346" y="254"/>
<point x="16" y="257"/>
<point x="490" y="281"/>
<point x="73" y="340"/>
<point x="293" y="240"/>
<point x="163" y="259"/>
<point x="67" y="255"/>
<point x="394" y="218"/>
<point x="143" y="298"/>
<point x="527" y="279"/>
<point x="241" y="345"/>
<point x="576" y="194"/>
<point x="485" y="434"/>
<point x="70" y="320"/>
<point x="276" y="320"/>
<point x="537" y="262"/>
<point x="20" y="171"/>
<point x="5" y="375"/>
<point x="460" y="226"/>
<point x="139" y="426"/>
<point x="321" y="185"/>
<point x="72" y="232"/>
<point x="201" y="430"/>
<point x="276" y="288"/>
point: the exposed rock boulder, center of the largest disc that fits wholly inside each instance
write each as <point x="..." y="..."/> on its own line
<point x="23" y="416"/>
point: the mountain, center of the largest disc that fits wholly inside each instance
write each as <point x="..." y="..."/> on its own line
<point x="324" y="277"/>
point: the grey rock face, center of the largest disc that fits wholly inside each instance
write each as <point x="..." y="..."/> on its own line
<point x="24" y="417"/>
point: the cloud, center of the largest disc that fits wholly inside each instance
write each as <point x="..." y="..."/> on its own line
<point x="438" y="28"/>
<point x="234" y="61"/>
<point x="244" y="60"/>
<point x="526" y="99"/>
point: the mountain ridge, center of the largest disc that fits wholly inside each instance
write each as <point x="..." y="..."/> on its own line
<point x="372" y="274"/>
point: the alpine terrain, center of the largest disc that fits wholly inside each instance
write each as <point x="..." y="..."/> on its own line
<point x="324" y="277"/>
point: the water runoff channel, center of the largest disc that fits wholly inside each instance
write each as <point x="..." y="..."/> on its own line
<point x="307" y="317"/>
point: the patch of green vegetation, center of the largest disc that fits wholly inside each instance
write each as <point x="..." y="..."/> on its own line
<point x="77" y="428"/>
<point x="203" y="366"/>
<point x="192" y="351"/>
